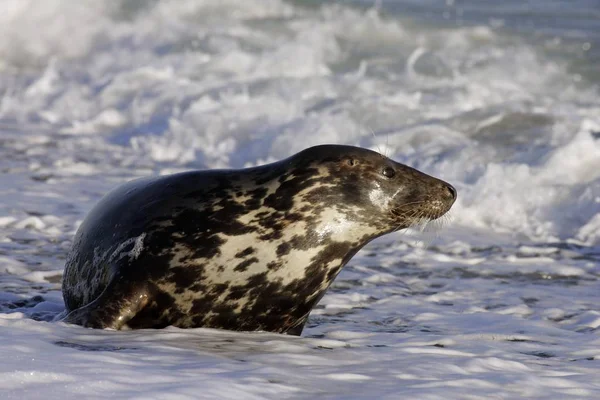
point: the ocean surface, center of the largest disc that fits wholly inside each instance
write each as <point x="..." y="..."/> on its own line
<point x="501" y="99"/>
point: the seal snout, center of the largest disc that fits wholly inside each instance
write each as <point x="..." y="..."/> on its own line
<point x="450" y="190"/>
<point x="446" y="196"/>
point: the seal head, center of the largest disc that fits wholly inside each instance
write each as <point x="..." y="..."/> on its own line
<point x="249" y="249"/>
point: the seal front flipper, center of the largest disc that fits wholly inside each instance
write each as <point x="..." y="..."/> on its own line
<point x="297" y="328"/>
<point x="119" y="303"/>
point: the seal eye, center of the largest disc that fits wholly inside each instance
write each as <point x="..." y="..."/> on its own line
<point x="388" y="172"/>
<point x="351" y="162"/>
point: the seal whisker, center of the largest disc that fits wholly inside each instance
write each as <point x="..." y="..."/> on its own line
<point x="397" y="211"/>
<point x="435" y="227"/>
<point x="375" y="140"/>
<point x="407" y="217"/>
<point x="411" y="203"/>
<point x="387" y="141"/>
<point x="422" y="224"/>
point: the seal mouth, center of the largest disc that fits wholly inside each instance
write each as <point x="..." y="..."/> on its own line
<point x="428" y="200"/>
<point x="417" y="213"/>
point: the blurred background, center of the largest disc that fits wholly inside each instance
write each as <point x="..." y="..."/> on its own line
<point x="499" y="98"/>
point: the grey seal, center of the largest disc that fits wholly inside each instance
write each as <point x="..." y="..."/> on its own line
<point x="241" y="249"/>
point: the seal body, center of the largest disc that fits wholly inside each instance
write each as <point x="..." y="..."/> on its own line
<point x="250" y="249"/>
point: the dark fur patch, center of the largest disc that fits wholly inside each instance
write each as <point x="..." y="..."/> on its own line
<point x="243" y="266"/>
<point x="283" y="249"/>
<point x="246" y="252"/>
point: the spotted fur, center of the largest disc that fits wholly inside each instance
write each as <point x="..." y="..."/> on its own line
<point x="250" y="249"/>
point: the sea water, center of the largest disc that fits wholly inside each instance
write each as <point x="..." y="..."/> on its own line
<point x="501" y="99"/>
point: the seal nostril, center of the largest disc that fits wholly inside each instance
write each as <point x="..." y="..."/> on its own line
<point x="452" y="191"/>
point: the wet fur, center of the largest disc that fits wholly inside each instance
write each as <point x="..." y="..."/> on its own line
<point x="250" y="249"/>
